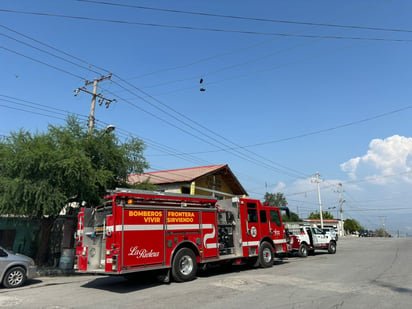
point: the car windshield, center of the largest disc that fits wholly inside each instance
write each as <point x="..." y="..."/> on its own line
<point x="317" y="231"/>
<point x="5" y="250"/>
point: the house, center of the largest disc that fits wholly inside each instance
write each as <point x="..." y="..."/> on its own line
<point x="213" y="180"/>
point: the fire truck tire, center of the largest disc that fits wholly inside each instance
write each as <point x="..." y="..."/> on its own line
<point x="252" y="261"/>
<point x="14" y="277"/>
<point x="266" y="255"/>
<point x="332" y="247"/>
<point x="303" y="250"/>
<point x="184" y="265"/>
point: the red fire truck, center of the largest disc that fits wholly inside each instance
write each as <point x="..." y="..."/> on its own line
<point x="138" y="230"/>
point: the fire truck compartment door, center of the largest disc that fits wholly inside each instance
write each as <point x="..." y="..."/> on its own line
<point x="143" y="237"/>
<point x="252" y="225"/>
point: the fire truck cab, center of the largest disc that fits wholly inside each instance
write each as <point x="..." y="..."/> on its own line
<point x="138" y="230"/>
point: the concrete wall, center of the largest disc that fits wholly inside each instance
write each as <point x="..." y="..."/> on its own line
<point x="19" y="234"/>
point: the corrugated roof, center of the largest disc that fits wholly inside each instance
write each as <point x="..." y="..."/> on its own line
<point x="187" y="175"/>
<point x="171" y="176"/>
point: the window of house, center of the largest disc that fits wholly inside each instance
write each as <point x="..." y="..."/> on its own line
<point x="185" y="190"/>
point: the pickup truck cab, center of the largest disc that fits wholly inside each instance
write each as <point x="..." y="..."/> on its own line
<point x="310" y="239"/>
<point x="331" y="231"/>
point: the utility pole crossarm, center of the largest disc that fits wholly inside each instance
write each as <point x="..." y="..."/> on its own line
<point x="95" y="95"/>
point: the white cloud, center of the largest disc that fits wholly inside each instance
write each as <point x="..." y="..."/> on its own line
<point x="351" y="166"/>
<point x="385" y="157"/>
<point x="387" y="168"/>
<point x="279" y="187"/>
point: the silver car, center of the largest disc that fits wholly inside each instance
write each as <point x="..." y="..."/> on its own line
<point x="15" y="268"/>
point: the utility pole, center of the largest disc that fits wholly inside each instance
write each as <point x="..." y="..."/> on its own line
<point x="383" y="221"/>
<point x="317" y="180"/>
<point x="95" y="95"/>
<point x="341" y="201"/>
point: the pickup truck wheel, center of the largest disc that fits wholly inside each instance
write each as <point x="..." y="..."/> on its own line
<point x="266" y="255"/>
<point x="184" y="265"/>
<point x="303" y="250"/>
<point x="332" y="247"/>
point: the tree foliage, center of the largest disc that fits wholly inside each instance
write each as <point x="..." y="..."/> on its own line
<point x="277" y="200"/>
<point x="351" y="226"/>
<point x="293" y="217"/>
<point x="382" y="233"/>
<point x="325" y="215"/>
<point x="40" y="173"/>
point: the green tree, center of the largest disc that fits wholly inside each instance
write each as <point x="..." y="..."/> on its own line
<point x="277" y="200"/>
<point x="293" y="217"/>
<point x="325" y="215"/>
<point x="40" y="173"/>
<point x="351" y="225"/>
<point x="382" y="233"/>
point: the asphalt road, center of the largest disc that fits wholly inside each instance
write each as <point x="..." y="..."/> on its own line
<point x="364" y="273"/>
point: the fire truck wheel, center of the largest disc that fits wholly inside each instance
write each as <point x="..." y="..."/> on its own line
<point x="332" y="247"/>
<point x="266" y="255"/>
<point x="252" y="261"/>
<point x="184" y="266"/>
<point x="303" y="250"/>
<point x="14" y="277"/>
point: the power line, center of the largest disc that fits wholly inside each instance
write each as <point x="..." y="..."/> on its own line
<point x="218" y="30"/>
<point x="243" y="156"/>
<point x="266" y="20"/>
<point x="42" y="62"/>
<point x="46" y="52"/>
<point x="52" y="48"/>
<point x="248" y="146"/>
<point x="344" y="125"/>
<point x="32" y="112"/>
<point x="65" y="71"/>
<point x="42" y="107"/>
<point x="348" y="124"/>
<point x="204" y="128"/>
<point x="121" y="132"/>
<point x="214" y="142"/>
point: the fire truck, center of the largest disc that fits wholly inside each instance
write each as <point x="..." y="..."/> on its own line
<point x="137" y="230"/>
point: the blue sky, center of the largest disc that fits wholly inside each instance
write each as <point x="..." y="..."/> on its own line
<point x="292" y="88"/>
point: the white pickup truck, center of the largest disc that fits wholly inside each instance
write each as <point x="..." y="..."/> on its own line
<point x="310" y="239"/>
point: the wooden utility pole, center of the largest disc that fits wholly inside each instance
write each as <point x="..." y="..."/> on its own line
<point x="95" y="95"/>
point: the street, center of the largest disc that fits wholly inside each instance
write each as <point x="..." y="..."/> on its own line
<point x="364" y="273"/>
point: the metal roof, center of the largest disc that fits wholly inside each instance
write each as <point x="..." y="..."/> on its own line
<point x="189" y="175"/>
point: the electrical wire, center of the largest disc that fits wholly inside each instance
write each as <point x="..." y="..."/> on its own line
<point x="217" y="30"/>
<point x="245" y="157"/>
<point x="42" y="62"/>
<point x="272" y="141"/>
<point x="266" y="20"/>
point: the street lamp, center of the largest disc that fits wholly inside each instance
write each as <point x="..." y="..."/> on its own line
<point x="334" y="207"/>
<point x="109" y="128"/>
